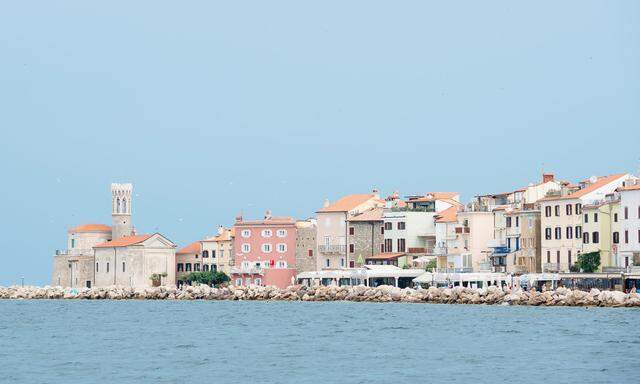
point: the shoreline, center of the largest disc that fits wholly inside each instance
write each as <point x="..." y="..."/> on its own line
<point x="458" y="295"/>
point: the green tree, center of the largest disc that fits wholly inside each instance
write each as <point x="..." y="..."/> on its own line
<point x="206" y="277"/>
<point x="589" y="262"/>
<point x="431" y="265"/>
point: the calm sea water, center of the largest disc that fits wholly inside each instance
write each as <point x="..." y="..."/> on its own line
<point x="276" y="342"/>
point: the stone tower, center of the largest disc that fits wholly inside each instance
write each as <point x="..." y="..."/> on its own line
<point x="121" y="195"/>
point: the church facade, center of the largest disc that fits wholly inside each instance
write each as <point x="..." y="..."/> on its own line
<point x="99" y="255"/>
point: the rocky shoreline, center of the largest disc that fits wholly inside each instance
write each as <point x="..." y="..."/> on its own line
<point x="458" y="295"/>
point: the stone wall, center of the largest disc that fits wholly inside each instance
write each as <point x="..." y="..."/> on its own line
<point x="305" y="242"/>
<point x="367" y="240"/>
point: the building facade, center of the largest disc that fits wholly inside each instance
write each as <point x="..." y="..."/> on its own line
<point x="365" y="236"/>
<point x="217" y="251"/>
<point x="629" y="225"/>
<point x="306" y="245"/>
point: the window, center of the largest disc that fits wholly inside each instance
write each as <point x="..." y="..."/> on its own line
<point x="517" y="221"/>
<point x="310" y="253"/>
<point x="246" y="248"/>
<point x="626" y="213"/>
<point x="97" y="269"/>
<point x="238" y="281"/>
<point x="281" y="264"/>
<point x="123" y="267"/>
<point x="558" y="233"/>
<point x="247" y="281"/>
<point x="547" y="233"/>
<point x="205" y="267"/>
<point x="180" y="267"/>
<point x="382" y="230"/>
<point x="508" y="222"/>
<point x="213" y="253"/>
<point x="558" y="257"/>
<point x="205" y="254"/>
<point x="595" y="237"/>
<point x="548" y="256"/>
<point x="381" y="247"/>
<point x="388" y="244"/>
<point x="595" y="217"/>
<point x="569" y="256"/>
<point x="578" y="231"/>
<point x="187" y="267"/>
<point x="327" y="263"/>
<point x="586" y="217"/>
<point x="401" y="245"/>
<point x="569" y="234"/>
<point x="352" y="248"/>
<point x="107" y="267"/>
<point x="281" y="232"/>
<point x="557" y="209"/>
<point x="401" y="225"/>
<point x="615" y="217"/>
<point x="352" y="231"/>
<point x="342" y="261"/>
<point x="196" y="267"/>
<point x="547" y="211"/>
<point x="245" y="265"/>
<point x="626" y="237"/>
<point x="530" y="222"/>
<point x="638" y="235"/>
<point x="568" y="209"/>
<point x="257" y="281"/>
<point x="266" y="248"/>
<point x="245" y="233"/>
<point x="616" y="238"/>
<point x="281" y="248"/>
<point x="266" y="233"/>
<point x="585" y="237"/>
<point x="388" y="226"/>
<point x="578" y="208"/>
<point x="73" y="243"/>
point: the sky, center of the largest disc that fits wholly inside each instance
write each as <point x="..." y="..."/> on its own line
<point x="213" y="108"/>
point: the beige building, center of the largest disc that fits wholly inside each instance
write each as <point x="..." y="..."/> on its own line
<point x="217" y="251"/>
<point x="99" y="255"/>
<point x="562" y="219"/>
<point x="189" y="259"/>
<point x="523" y="240"/>
<point x="475" y="230"/>
<point x="333" y="232"/>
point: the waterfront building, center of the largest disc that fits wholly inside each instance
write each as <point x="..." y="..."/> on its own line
<point x="601" y="230"/>
<point x="475" y="231"/>
<point x="99" y="255"/>
<point x="189" y="259"/>
<point x="562" y="219"/>
<point x="332" y="229"/>
<point x="523" y="241"/>
<point x="369" y="275"/>
<point x="629" y="222"/>
<point x="365" y="236"/>
<point x="265" y="251"/>
<point x="306" y="245"/>
<point x="410" y="227"/>
<point x="217" y="251"/>
<point x="451" y="256"/>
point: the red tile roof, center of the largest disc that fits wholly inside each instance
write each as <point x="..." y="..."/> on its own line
<point x="90" y="228"/>
<point x="124" y="241"/>
<point x="601" y="182"/>
<point x="370" y="215"/>
<point x="348" y="203"/>
<point x="194" y="247"/>
<point x="449" y="215"/>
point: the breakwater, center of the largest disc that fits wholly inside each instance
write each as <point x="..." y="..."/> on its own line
<point x="458" y="295"/>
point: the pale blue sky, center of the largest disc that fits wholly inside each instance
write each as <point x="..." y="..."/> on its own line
<point x="210" y="108"/>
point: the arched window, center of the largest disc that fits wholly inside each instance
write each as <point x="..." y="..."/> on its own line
<point x="124" y="205"/>
<point x="118" y="205"/>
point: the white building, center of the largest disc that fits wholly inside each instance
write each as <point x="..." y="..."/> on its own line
<point x="629" y="244"/>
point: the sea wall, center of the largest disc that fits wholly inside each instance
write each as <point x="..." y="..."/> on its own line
<point x="458" y="295"/>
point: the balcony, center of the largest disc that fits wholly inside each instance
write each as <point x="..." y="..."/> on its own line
<point x="460" y="230"/>
<point x="419" y="250"/>
<point x="332" y="248"/>
<point x="252" y="270"/>
<point x="555" y="267"/>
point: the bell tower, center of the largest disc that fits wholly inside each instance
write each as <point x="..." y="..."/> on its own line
<point x="121" y="210"/>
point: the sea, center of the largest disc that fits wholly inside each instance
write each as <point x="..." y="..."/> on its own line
<point x="68" y="341"/>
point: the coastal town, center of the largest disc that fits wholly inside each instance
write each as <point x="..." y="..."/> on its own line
<point x="545" y="234"/>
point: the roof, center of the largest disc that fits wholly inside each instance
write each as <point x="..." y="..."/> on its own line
<point x="385" y="256"/>
<point x="370" y="215"/>
<point x="280" y="220"/>
<point x="601" y="182"/>
<point x="347" y="203"/>
<point x="432" y="196"/>
<point x="124" y="241"/>
<point x="194" y="247"/>
<point x="449" y="215"/>
<point x="635" y="187"/>
<point x="91" y="228"/>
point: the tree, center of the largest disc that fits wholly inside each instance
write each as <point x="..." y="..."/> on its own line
<point x="207" y="277"/>
<point x="589" y="262"/>
<point x="431" y="265"/>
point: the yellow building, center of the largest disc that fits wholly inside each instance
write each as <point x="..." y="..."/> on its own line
<point x="601" y="229"/>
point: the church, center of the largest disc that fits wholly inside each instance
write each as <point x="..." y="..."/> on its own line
<point x="99" y="255"/>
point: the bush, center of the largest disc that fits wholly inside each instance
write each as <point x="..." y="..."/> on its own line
<point x="589" y="262"/>
<point x="208" y="277"/>
<point x="431" y="265"/>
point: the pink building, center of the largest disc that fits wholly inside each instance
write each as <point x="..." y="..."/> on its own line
<point x="265" y="251"/>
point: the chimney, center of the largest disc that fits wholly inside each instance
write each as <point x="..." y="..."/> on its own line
<point x="326" y="203"/>
<point x="267" y="215"/>
<point x="376" y="193"/>
<point x="220" y="229"/>
<point x="547" y="177"/>
<point x="239" y="218"/>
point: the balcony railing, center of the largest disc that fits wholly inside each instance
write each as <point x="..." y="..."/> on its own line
<point x="332" y="248"/>
<point x="427" y="250"/>
<point x="463" y="230"/>
<point x="248" y="270"/>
